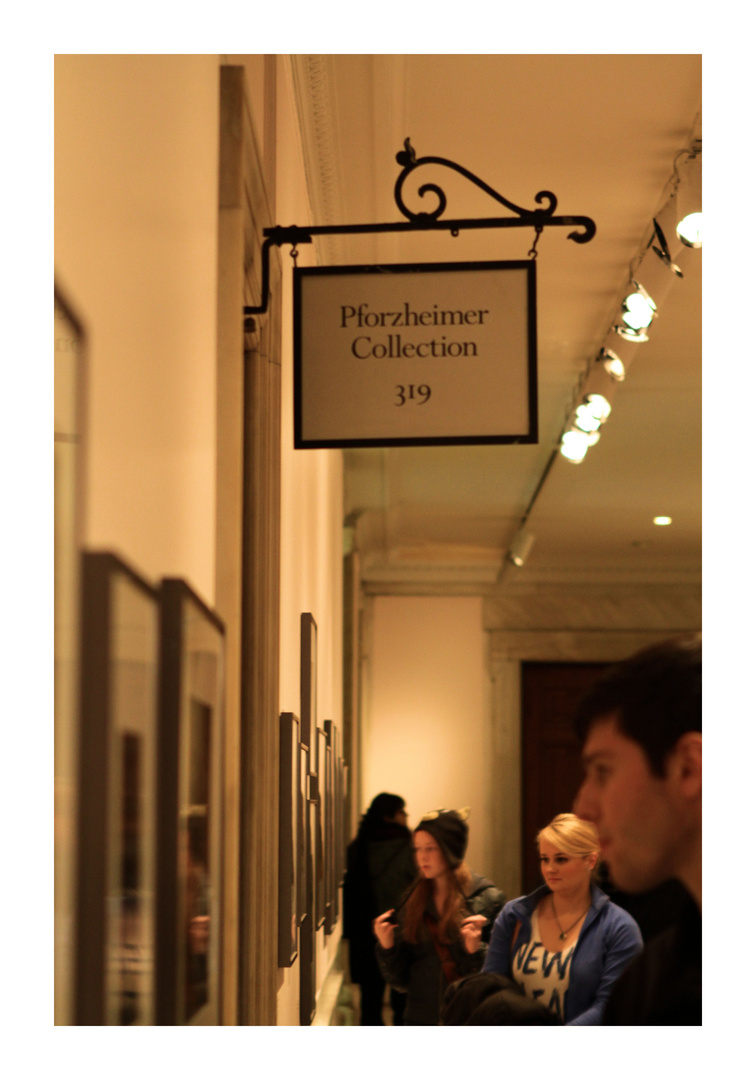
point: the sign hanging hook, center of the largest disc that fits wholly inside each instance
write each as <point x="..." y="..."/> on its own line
<point x="533" y="253"/>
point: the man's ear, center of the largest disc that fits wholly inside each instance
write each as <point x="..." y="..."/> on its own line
<point x="685" y="764"/>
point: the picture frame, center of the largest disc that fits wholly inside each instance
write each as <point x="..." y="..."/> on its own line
<point x="331" y="900"/>
<point x="345" y="807"/>
<point x="117" y="836"/>
<point x="341" y="826"/>
<point x="190" y="808"/>
<point x="70" y="375"/>
<point x="307" y="963"/>
<point x="303" y="905"/>
<point x="288" y="840"/>
<point x="308" y="679"/>
<point x="320" y="833"/>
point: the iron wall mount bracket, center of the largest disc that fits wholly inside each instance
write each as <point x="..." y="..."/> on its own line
<point x="424" y="221"/>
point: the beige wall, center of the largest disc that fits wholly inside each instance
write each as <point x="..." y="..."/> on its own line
<point x="136" y="168"/>
<point x="427" y="709"/>
<point x="136" y="223"/>
<point x="311" y="520"/>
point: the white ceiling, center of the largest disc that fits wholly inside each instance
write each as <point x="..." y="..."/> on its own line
<point x="601" y="132"/>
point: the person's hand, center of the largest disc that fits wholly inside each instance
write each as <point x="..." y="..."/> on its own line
<point x="384" y="929"/>
<point x="471" y="930"/>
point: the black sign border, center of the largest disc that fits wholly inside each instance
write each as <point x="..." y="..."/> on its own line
<point x="531" y="436"/>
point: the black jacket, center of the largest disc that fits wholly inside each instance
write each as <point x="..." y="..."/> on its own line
<point x="380" y="868"/>
<point x="416" y="968"/>
<point x="662" y="986"/>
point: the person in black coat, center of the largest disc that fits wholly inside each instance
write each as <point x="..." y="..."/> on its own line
<point x="380" y="867"/>
<point x="439" y="933"/>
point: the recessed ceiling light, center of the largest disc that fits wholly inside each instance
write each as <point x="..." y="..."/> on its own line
<point x="662" y="520"/>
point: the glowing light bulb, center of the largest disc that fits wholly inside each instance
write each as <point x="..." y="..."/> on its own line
<point x="627" y="334"/>
<point x="689" y="230"/>
<point x="613" y="365"/>
<point x="574" y="446"/>
<point x="638" y="311"/>
<point x="598" y="405"/>
<point x="662" y="520"/>
<point x="586" y="420"/>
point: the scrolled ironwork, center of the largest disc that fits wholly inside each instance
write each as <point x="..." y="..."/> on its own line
<point x="427" y="220"/>
<point x="409" y="161"/>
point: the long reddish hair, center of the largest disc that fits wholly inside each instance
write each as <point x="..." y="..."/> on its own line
<point x="453" y="909"/>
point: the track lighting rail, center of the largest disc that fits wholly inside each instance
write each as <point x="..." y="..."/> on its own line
<point x="424" y="221"/>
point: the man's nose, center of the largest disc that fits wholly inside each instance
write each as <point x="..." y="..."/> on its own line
<point x="583" y="804"/>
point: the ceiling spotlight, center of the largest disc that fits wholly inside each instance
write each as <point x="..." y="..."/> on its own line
<point x="627" y="334"/>
<point x="689" y="230"/>
<point x="638" y="309"/>
<point x="662" y="520"/>
<point x="520" y="548"/>
<point x="689" y="204"/>
<point x="598" y="406"/>
<point x="663" y="250"/>
<point x="612" y="364"/>
<point x="586" y="420"/>
<point x="574" y="446"/>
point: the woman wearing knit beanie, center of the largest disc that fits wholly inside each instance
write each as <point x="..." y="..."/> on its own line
<point x="439" y="931"/>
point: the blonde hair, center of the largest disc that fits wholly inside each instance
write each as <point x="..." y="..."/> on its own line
<point x="571" y="834"/>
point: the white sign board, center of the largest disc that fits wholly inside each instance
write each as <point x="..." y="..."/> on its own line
<point x="415" y="354"/>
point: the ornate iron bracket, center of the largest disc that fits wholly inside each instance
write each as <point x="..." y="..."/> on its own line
<point x="426" y="221"/>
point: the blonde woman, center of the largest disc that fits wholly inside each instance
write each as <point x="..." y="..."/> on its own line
<point x="438" y="933"/>
<point x="566" y="944"/>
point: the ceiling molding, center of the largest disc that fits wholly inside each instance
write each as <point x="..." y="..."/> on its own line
<point x="666" y="608"/>
<point x="555" y="646"/>
<point x="318" y="123"/>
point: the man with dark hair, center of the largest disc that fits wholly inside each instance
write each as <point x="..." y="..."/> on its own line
<point x="640" y="726"/>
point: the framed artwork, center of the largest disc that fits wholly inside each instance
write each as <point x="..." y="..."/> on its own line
<point x="320" y="832"/>
<point x="288" y="841"/>
<point x="303" y="906"/>
<point x="190" y="807"/>
<point x="307" y="966"/>
<point x="69" y="383"/>
<point x="308" y="678"/>
<point x="116" y="910"/>
<point x="341" y="823"/>
<point x="330" y="828"/>
<point x="345" y="810"/>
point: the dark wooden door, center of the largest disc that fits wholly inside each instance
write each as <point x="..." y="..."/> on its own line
<point x="551" y="768"/>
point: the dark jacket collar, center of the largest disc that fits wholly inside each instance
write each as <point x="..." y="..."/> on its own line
<point x="479" y="883"/>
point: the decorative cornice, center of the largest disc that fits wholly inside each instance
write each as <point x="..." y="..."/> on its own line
<point x="314" y="97"/>
<point x="581" y="646"/>
<point x="664" y="608"/>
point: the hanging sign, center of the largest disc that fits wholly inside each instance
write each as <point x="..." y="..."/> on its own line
<point x="404" y="355"/>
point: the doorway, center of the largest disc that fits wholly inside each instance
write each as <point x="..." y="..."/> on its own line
<point x="551" y="766"/>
